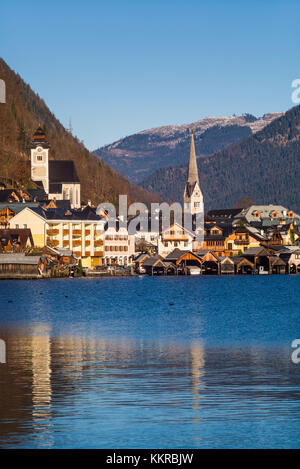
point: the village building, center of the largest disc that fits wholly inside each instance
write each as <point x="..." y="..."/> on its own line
<point x="119" y="245"/>
<point x="261" y="258"/>
<point x="186" y="262"/>
<point x="78" y="231"/>
<point x="210" y="262"/>
<point x="58" y="178"/>
<point x="15" y="240"/>
<point x="176" y="236"/>
<point x="87" y="235"/>
<point x="266" y="216"/>
<point x="9" y="210"/>
<point x="243" y="266"/>
<point x="291" y="256"/>
<point x="20" y="266"/>
<point x="227" y="266"/>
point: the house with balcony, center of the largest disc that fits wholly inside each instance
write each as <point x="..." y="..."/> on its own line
<point x="80" y="231"/>
<point x="176" y="236"/>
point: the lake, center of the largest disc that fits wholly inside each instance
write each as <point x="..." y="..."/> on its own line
<point x="142" y="362"/>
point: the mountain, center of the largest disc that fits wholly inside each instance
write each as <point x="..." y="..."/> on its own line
<point x="264" y="166"/>
<point x="20" y="116"/>
<point x="139" y="155"/>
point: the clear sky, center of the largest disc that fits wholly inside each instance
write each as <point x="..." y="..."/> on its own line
<point x="120" y="66"/>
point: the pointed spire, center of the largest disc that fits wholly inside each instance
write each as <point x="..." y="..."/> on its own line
<point x="193" y="169"/>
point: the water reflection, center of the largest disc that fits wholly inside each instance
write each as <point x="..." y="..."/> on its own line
<point x="88" y="391"/>
<point x="197" y="372"/>
<point x="41" y="384"/>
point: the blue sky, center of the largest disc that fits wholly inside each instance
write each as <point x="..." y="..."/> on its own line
<point x="116" y="67"/>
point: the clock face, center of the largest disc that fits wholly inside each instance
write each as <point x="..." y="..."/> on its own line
<point x="39" y="149"/>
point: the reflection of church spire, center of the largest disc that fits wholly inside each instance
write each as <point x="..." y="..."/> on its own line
<point x="193" y="169"/>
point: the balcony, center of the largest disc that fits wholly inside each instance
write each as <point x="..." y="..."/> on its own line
<point x="87" y="242"/>
<point x="66" y="232"/>
<point x="87" y="232"/>
<point x="87" y="253"/>
<point x="175" y="238"/>
<point x="76" y="232"/>
<point x="98" y="253"/>
<point x="76" y="243"/>
<point x="241" y="242"/>
<point x="66" y="243"/>
<point x="98" y="243"/>
<point x="52" y="232"/>
<point x="52" y="242"/>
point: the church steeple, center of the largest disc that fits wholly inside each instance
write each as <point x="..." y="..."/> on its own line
<point x="193" y="169"/>
<point x="193" y="198"/>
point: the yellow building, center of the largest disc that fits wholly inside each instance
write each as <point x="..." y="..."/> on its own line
<point x="79" y="231"/>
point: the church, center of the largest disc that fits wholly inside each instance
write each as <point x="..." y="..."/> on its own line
<point x="192" y="197"/>
<point x="58" y="178"/>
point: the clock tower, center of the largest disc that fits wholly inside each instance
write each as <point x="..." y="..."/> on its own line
<point x="39" y="159"/>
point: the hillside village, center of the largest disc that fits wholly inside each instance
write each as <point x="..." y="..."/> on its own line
<point x="48" y="231"/>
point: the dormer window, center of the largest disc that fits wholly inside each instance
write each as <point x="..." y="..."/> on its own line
<point x="274" y="214"/>
<point x="256" y="214"/>
<point x="39" y="157"/>
<point x="291" y="214"/>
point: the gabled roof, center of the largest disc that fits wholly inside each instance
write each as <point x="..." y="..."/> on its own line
<point x="239" y="260"/>
<point x="19" y="259"/>
<point x="19" y="206"/>
<point x="277" y="260"/>
<point x="153" y="261"/>
<point x="256" y="251"/>
<point x="141" y="256"/>
<point x="176" y="254"/>
<point x="226" y="259"/>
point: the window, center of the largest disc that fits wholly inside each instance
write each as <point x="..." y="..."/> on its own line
<point x="196" y="204"/>
<point x="17" y="227"/>
<point x="166" y="244"/>
<point x="186" y="244"/>
<point x="175" y="244"/>
<point x="39" y="157"/>
<point x="25" y="226"/>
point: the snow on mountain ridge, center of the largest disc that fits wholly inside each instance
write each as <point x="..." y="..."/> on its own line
<point x="200" y="126"/>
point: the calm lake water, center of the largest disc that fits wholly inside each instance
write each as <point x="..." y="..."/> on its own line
<point x="150" y="363"/>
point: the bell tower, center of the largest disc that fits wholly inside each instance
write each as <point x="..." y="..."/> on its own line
<point x="40" y="159"/>
<point x="193" y="198"/>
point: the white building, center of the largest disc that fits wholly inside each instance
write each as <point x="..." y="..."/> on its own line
<point x="58" y="178"/>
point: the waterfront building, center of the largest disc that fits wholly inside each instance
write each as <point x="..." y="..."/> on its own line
<point x="226" y="265"/>
<point x="58" y="178"/>
<point x="186" y="262"/>
<point x="20" y="266"/>
<point x="119" y="245"/>
<point x="15" y="240"/>
<point x="87" y="235"/>
<point x="78" y="231"/>
<point x="176" y="236"/>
